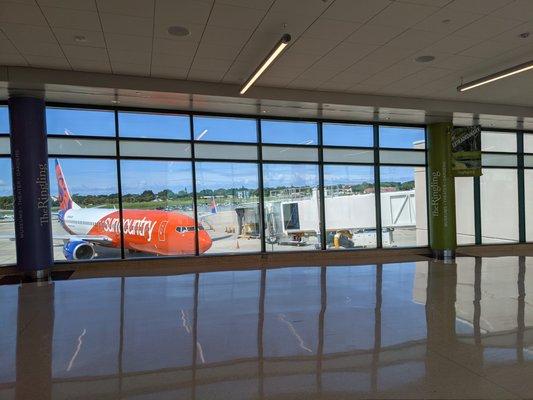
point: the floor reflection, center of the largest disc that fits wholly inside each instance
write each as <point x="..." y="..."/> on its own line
<point x="421" y="329"/>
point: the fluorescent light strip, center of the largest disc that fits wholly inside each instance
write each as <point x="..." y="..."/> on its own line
<point x="497" y="76"/>
<point x="280" y="46"/>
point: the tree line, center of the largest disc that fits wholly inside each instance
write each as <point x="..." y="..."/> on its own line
<point x="6" y="202"/>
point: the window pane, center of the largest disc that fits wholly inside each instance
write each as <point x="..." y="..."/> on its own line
<point x="348" y="155"/>
<point x="8" y="253"/>
<point x="498" y="160"/>
<point x="158" y="217"/>
<point x="289" y="132"/>
<point x="350" y="206"/>
<point x="4" y="119"/>
<point x="291" y="207"/>
<point x="402" y="137"/>
<point x="347" y="135"/>
<point x="528" y="142"/>
<point x="81" y="147"/>
<point x="403" y="206"/>
<point x="70" y="121"/>
<point x="146" y="148"/>
<point x="402" y="157"/>
<point x="528" y="193"/>
<point x="499" y="206"/>
<point x="498" y="141"/>
<point x="225" y="129"/>
<point x="5" y="146"/>
<point x="160" y="126"/>
<point x="464" y="210"/>
<point x="93" y="212"/>
<point x="227" y="197"/>
<point x="528" y="161"/>
<point x="281" y="153"/>
<point x="225" y="151"/>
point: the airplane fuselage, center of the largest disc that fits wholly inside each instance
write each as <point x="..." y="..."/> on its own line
<point x="150" y="231"/>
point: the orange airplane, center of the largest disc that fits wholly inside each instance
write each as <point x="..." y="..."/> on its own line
<point x="155" y="232"/>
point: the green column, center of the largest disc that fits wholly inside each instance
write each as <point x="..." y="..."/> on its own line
<point x="441" y="186"/>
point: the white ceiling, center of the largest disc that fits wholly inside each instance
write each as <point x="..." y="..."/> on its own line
<point x="354" y="46"/>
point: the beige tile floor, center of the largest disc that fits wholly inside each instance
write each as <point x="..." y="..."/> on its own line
<point x="400" y="330"/>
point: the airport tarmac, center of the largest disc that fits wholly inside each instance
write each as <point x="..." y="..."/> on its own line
<point x="216" y="225"/>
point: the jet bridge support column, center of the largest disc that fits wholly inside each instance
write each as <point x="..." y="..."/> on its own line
<point x="31" y="192"/>
<point x="441" y="186"/>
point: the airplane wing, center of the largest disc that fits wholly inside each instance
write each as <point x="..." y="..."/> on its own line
<point x="96" y="239"/>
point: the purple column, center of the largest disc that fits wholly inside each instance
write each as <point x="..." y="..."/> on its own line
<point x="29" y="159"/>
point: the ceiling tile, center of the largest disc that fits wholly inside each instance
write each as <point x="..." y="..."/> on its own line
<point x="304" y="84"/>
<point x="127" y="25"/>
<point x="116" y="41"/>
<point x="519" y="9"/>
<point x="333" y="86"/>
<point x="293" y="59"/>
<point x="227" y="16"/>
<point x="87" y="5"/>
<point x="40" y="49"/>
<point x="195" y="32"/>
<point x="130" y="57"/>
<point x="279" y="23"/>
<point x="218" y="51"/>
<point x="477" y="6"/>
<point x="434" y="3"/>
<point x="138" y="8"/>
<point x="318" y="74"/>
<point x="357" y="11"/>
<point x="130" y="69"/>
<point x="12" y="59"/>
<point x="414" y="39"/>
<point x="183" y="12"/>
<point x="6" y="47"/>
<point x="67" y="36"/>
<point x="375" y="34"/>
<point x="203" y="75"/>
<point x="48" y="62"/>
<point x="168" y="72"/>
<point x="345" y="54"/>
<point x="226" y="36"/>
<point x="86" y="53"/>
<point x="403" y="14"/>
<point x="452" y="44"/>
<point x="174" y="47"/>
<point x="313" y="46"/>
<point x="331" y="29"/>
<point x="447" y="21"/>
<point x="487" y="27"/>
<point x="259" y="4"/>
<point x="487" y="49"/>
<point x="69" y="18"/>
<point x="295" y="7"/>
<point x="459" y="62"/>
<point x="19" y="13"/>
<point x="27" y="33"/>
<point x="171" y="61"/>
<point x="210" y="64"/>
<point x="90" y="66"/>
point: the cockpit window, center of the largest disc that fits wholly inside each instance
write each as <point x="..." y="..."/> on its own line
<point x="183" y="229"/>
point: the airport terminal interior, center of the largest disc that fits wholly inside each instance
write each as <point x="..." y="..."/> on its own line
<point x="266" y="199"/>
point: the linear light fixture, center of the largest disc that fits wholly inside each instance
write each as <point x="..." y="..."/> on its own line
<point x="276" y="51"/>
<point x="496" y="76"/>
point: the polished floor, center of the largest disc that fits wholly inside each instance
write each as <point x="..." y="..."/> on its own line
<point x="405" y="330"/>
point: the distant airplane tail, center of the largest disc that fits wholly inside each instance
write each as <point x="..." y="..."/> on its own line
<point x="213" y="206"/>
<point x="64" y="198"/>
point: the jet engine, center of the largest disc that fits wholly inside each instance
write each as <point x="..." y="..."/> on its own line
<point x="78" y="250"/>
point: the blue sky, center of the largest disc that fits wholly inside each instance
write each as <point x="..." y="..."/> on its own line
<point x="170" y="126"/>
<point x="4" y="120"/>
<point x="99" y="176"/>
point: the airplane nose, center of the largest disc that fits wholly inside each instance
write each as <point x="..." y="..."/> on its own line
<point x="204" y="241"/>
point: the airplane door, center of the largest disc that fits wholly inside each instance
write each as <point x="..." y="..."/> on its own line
<point x="162" y="230"/>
